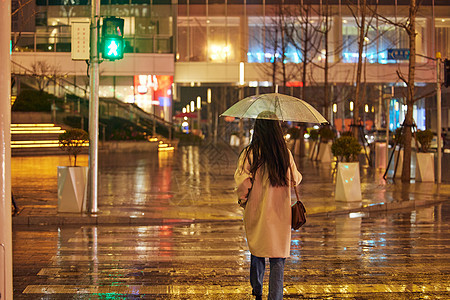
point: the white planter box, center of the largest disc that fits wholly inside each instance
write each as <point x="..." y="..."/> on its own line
<point x="72" y="182"/>
<point x="312" y="149"/>
<point x="348" y="184"/>
<point x="234" y="141"/>
<point x="400" y="163"/>
<point x="297" y="147"/>
<point x="380" y="155"/>
<point x="425" y="167"/>
<point x="325" y="154"/>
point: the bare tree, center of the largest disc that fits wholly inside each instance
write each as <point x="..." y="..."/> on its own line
<point x="363" y="15"/>
<point x="304" y="32"/>
<point x="412" y="95"/>
<point x="44" y="74"/>
<point x="22" y="16"/>
<point x="324" y="30"/>
<point x="276" y="43"/>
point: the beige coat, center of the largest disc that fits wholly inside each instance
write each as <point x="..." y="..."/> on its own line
<point x="267" y="215"/>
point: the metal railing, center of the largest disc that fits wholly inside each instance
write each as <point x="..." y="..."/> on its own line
<point x="61" y="42"/>
<point x="110" y="107"/>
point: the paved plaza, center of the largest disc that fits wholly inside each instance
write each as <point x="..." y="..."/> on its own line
<point x="169" y="228"/>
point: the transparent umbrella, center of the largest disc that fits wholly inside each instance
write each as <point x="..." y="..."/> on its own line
<point x="283" y="107"/>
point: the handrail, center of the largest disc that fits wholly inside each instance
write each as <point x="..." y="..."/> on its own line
<point x="4" y="270"/>
<point x="59" y="79"/>
<point x="127" y="106"/>
<point x="64" y="38"/>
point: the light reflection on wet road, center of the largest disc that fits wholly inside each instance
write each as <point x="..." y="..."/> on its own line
<point x="385" y="256"/>
<point x="389" y="255"/>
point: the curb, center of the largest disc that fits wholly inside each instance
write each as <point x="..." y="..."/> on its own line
<point x="381" y="207"/>
<point x="68" y="220"/>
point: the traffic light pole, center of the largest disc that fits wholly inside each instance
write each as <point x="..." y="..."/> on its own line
<point x="439" y="121"/>
<point x="92" y="204"/>
<point x="6" y="266"/>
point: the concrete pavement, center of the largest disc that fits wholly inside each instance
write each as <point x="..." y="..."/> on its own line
<point x="169" y="228"/>
<point x="193" y="183"/>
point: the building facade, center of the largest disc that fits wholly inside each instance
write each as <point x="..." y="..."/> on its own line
<point x="177" y="50"/>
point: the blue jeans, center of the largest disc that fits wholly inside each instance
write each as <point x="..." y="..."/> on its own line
<point x="257" y="267"/>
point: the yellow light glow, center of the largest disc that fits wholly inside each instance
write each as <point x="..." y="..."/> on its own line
<point x="351" y="105"/>
<point x="188" y="108"/>
<point x="366" y="108"/>
<point x="396" y="105"/>
<point x="219" y="52"/>
<point x="241" y="73"/>
<point x="153" y="139"/>
<point x="34" y="142"/>
<point x="37" y="131"/>
<point x="34" y="128"/>
<point x="35" y="146"/>
<point x="38" y="144"/>
<point x="32" y="125"/>
<point x="192" y="106"/>
<point x="199" y="102"/>
<point x="166" y="149"/>
<point x="208" y="96"/>
<point x="163" y="145"/>
<point x="335" y="108"/>
<point x="185" y="124"/>
<point x="373" y="109"/>
<point x="184" y="110"/>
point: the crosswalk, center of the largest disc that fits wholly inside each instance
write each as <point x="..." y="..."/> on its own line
<point x="391" y="256"/>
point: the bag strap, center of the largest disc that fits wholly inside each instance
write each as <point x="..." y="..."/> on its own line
<point x="295" y="189"/>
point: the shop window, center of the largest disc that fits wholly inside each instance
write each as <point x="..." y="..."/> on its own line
<point x="442" y="33"/>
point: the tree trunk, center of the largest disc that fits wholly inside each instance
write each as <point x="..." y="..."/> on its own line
<point x="357" y="99"/>
<point x="406" y="171"/>
<point x="326" y="102"/>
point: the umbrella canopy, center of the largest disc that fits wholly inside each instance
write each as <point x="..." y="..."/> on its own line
<point x="284" y="107"/>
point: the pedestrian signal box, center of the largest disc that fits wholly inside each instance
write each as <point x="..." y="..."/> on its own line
<point x="112" y="44"/>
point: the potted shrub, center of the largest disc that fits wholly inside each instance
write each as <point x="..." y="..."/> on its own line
<point x="72" y="179"/>
<point x="425" y="160"/>
<point x="326" y="136"/>
<point x="348" y="185"/>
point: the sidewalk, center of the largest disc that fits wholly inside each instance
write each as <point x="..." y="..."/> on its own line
<point x="193" y="184"/>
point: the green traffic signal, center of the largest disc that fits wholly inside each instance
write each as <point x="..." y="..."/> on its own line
<point x="112" y="48"/>
<point x="112" y="38"/>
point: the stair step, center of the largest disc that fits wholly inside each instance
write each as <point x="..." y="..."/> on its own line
<point x="36" y="139"/>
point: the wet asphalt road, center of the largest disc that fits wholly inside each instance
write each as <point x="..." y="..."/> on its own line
<point x="384" y="255"/>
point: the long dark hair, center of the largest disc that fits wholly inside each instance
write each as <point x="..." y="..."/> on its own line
<point x="269" y="151"/>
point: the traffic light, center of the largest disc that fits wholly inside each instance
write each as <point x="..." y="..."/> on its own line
<point x="447" y="73"/>
<point x="112" y="38"/>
